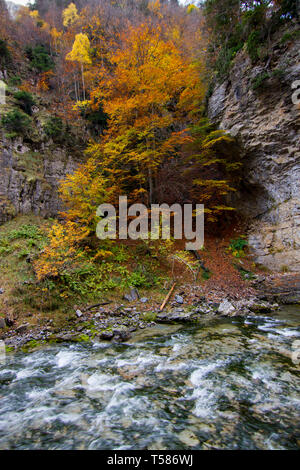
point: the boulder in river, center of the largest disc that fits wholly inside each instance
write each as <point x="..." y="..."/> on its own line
<point x="121" y="335"/>
<point x="177" y="315"/>
<point x="226" y="308"/>
<point x="107" y="335"/>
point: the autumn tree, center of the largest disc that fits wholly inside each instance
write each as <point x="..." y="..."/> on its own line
<point x="82" y="192"/>
<point x="70" y="15"/>
<point x="80" y="54"/>
<point x="151" y="90"/>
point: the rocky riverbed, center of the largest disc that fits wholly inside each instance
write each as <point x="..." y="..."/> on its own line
<point x="109" y="321"/>
<point x="219" y="383"/>
<point x="121" y="323"/>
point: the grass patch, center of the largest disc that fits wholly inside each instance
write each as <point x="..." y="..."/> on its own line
<point x="237" y="247"/>
<point x="149" y="316"/>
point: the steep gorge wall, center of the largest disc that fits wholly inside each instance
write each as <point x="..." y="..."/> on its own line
<point x="29" y="177"/>
<point x="266" y="123"/>
<point x="32" y="163"/>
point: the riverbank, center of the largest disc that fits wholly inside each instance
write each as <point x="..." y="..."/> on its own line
<point x="119" y="322"/>
<point x="80" y="308"/>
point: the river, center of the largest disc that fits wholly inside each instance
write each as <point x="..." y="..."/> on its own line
<point x="223" y="384"/>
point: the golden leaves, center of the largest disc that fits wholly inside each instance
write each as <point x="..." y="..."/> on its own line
<point x="70" y="15"/>
<point x="80" y="50"/>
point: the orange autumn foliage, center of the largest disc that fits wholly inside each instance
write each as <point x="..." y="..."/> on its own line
<point x="150" y="92"/>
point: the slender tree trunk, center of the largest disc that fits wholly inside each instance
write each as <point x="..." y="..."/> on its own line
<point x="150" y="182"/>
<point x="83" y="84"/>
<point x="75" y="88"/>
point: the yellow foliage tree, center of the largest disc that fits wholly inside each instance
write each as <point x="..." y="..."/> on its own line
<point x="151" y="90"/>
<point x="81" y="192"/>
<point x="70" y="15"/>
<point x="80" y="53"/>
<point x="62" y="250"/>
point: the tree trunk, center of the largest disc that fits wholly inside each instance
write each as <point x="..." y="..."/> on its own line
<point x="150" y="181"/>
<point x="83" y="84"/>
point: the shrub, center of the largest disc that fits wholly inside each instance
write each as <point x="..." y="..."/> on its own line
<point x="15" y="80"/>
<point x="40" y="58"/>
<point x="16" y="121"/>
<point x="290" y="36"/>
<point x="253" y="42"/>
<point x="259" y="80"/>
<point x="25" y="101"/>
<point x="54" y="127"/>
<point x="225" y="58"/>
<point x="278" y="74"/>
<point x="4" y="52"/>
<point x="31" y="232"/>
<point x="97" y="118"/>
<point x="237" y="247"/>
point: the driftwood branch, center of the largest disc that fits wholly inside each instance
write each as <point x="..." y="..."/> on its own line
<point x="167" y="297"/>
<point x="97" y="305"/>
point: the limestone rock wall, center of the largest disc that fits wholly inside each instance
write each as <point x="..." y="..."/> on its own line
<point x="266" y="123"/>
<point x="29" y="177"/>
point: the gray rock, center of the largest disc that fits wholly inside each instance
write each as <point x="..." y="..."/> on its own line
<point x="127" y="297"/>
<point x="66" y="337"/>
<point x="216" y="102"/>
<point x="121" y="335"/>
<point x="2" y="323"/>
<point x="179" y="299"/>
<point x="22" y="328"/>
<point x="132" y="296"/>
<point x="9" y="321"/>
<point x="261" y="308"/>
<point x="267" y="127"/>
<point x="1" y="291"/>
<point x="226" y="308"/>
<point x="20" y="191"/>
<point x="79" y="313"/>
<point x="144" y="300"/>
<point x="106" y="335"/>
<point x="177" y="315"/>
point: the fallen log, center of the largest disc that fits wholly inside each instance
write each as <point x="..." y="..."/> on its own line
<point x="96" y="305"/>
<point x="167" y="297"/>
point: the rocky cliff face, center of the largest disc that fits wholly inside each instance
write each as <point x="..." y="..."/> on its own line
<point x="32" y="163"/>
<point x="255" y="105"/>
<point x="29" y="177"/>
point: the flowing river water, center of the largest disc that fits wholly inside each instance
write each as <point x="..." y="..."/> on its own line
<point x="223" y="384"/>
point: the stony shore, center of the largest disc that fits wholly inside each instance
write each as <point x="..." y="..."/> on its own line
<point x="118" y="323"/>
<point x="121" y="323"/>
